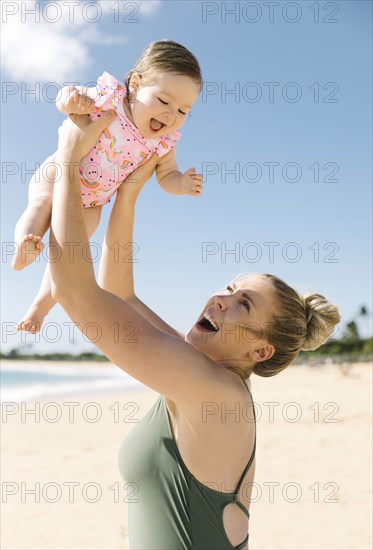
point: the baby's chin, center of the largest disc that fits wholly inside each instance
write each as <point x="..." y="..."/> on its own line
<point x="149" y="133"/>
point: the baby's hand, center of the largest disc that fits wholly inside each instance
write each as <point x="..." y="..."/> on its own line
<point x="77" y="103"/>
<point x="191" y="183"/>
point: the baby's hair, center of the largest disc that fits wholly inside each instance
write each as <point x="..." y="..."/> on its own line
<point x="165" y="56"/>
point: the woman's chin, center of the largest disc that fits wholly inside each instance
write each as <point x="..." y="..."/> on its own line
<point x="195" y="336"/>
<point x="189" y="337"/>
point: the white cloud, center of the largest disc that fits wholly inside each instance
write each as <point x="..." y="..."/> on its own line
<point x="59" y="51"/>
<point x="131" y="9"/>
<point x="148" y="7"/>
<point x="91" y="35"/>
<point x="37" y="53"/>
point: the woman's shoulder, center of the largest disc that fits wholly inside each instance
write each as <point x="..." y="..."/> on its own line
<point x="240" y="386"/>
<point x="236" y="396"/>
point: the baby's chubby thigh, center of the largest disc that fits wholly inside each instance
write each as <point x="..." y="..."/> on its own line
<point x="42" y="182"/>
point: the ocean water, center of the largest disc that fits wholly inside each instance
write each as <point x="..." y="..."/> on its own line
<point x="26" y="381"/>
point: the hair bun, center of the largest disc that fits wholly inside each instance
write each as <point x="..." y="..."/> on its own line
<point x="309" y="313"/>
<point x="321" y="318"/>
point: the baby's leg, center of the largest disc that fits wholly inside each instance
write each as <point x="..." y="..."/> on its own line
<point x="35" y="220"/>
<point x="44" y="302"/>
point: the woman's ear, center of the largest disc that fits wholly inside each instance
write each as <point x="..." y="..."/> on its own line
<point x="262" y="353"/>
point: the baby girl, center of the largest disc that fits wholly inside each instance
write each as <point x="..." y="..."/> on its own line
<point x="150" y="108"/>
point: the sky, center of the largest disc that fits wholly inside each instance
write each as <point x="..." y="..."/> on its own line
<point x="282" y="133"/>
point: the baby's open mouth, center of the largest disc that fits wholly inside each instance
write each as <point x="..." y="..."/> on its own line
<point x="156" y="125"/>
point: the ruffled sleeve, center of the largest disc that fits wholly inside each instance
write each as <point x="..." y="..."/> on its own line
<point x="167" y="143"/>
<point x="110" y="92"/>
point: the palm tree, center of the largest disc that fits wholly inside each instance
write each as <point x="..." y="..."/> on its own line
<point x="351" y="332"/>
<point x="363" y="316"/>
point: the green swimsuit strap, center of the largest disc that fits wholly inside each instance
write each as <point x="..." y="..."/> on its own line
<point x="235" y="495"/>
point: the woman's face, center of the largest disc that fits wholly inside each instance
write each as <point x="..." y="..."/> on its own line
<point x="234" y="323"/>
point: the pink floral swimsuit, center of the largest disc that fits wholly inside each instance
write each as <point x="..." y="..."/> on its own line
<point x="120" y="150"/>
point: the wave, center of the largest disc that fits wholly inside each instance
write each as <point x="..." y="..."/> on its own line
<point x="20" y="384"/>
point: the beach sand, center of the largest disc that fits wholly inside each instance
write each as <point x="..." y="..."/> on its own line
<point x="313" y="474"/>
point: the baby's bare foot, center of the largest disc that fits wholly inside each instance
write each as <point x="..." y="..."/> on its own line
<point x="28" y="250"/>
<point x="33" y="320"/>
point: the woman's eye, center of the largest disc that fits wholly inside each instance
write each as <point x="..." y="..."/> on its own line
<point x="245" y="303"/>
<point x="164" y="102"/>
<point x="181" y="112"/>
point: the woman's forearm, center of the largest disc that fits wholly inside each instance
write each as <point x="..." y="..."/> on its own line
<point x="71" y="262"/>
<point x="118" y="254"/>
<point x="116" y="265"/>
<point x="71" y="268"/>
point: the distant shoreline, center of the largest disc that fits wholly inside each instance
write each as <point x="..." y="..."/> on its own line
<point x="345" y="350"/>
<point x="25" y="381"/>
<point x="304" y="358"/>
<point x="63" y="357"/>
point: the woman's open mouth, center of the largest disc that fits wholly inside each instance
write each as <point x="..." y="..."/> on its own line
<point x="207" y="324"/>
<point x="156" y="125"/>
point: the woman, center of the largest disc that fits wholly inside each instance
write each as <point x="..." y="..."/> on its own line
<point x="190" y="458"/>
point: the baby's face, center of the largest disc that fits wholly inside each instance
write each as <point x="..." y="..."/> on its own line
<point x="161" y="106"/>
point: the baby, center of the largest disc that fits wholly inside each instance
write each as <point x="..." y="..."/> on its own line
<point x="150" y="108"/>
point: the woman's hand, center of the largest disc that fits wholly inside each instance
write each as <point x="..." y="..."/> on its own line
<point x="78" y="134"/>
<point x="71" y="100"/>
<point x="132" y="186"/>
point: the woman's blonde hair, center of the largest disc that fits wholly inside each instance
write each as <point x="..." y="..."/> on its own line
<point x="165" y="56"/>
<point x="303" y="323"/>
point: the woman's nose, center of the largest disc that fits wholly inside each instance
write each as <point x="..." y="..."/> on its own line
<point x="220" y="302"/>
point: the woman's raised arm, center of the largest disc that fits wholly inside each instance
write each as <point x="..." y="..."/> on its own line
<point x="116" y="265"/>
<point x="159" y="360"/>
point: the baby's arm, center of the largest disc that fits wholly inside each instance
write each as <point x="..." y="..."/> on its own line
<point x="175" y="182"/>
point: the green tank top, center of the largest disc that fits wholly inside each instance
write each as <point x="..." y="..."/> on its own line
<point x="169" y="509"/>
